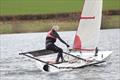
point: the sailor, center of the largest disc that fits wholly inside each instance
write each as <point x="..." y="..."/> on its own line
<point x="51" y="38"/>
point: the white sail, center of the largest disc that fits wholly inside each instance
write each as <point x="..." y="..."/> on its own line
<point x="89" y="25"/>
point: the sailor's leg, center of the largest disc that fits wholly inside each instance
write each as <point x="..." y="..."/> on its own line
<point x="60" y="55"/>
<point x="58" y="50"/>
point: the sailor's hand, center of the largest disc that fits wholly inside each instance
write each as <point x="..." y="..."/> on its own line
<point x="67" y="45"/>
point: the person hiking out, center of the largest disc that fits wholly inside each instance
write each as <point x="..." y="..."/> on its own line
<point x="51" y="38"/>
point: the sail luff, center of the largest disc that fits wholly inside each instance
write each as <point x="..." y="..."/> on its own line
<point x="77" y="41"/>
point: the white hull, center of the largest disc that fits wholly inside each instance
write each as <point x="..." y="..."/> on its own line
<point x="101" y="55"/>
<point x="72" y="61"/>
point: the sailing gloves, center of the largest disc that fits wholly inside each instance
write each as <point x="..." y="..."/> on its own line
<point x="67" y="45"/>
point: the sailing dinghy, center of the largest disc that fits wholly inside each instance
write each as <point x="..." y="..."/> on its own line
<point x="85" y="51"/>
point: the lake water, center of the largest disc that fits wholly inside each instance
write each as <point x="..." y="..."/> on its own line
<point x="17" y="67"/>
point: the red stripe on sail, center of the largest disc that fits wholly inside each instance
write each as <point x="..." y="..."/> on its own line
<point x="77" y="43"/>
<point x="84" y="17"/>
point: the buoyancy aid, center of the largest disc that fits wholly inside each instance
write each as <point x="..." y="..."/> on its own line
<point x="49" y="34"/>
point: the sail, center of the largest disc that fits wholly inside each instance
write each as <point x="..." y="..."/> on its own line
<point x="87" y="33"/>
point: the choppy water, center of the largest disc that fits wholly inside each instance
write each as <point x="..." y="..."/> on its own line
<point x="16" y="67"/>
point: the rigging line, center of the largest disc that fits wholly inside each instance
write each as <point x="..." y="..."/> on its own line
<point x="75" y="56"/>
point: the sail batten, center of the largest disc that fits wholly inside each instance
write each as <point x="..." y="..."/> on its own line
<point x="89" y="25"/>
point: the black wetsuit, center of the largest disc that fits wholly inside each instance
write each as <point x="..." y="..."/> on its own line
<point x="51" y="46"/>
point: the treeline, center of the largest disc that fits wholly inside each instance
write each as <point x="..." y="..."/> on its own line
<point x="73" y="15"/>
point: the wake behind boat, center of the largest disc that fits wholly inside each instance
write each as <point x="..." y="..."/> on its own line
<point x="85" y="51"/>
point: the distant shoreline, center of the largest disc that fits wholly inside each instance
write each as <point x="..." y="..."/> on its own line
<point x="44" y="22"/>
